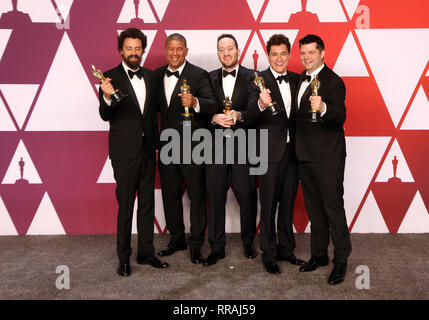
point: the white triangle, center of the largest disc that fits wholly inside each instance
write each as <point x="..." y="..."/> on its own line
<point x="67" y="101"/>
<point x="416" y="118"/>
<point x="5" y="6"/>
<point x="277" y="11"/>
<point x="327" y="10"/>
<point x="308" y="229"/>
<point x="363" y="157"/>
<point x="6" y="123"/>
<point x="39" y="11"/>
<point x="370" y="219"/>
<point x="159" y="211"/>
<point x="202" y="45"/>
<point x="150" y="34"/>
<point x="402" y="171"/>
<point x="160" y="7"/>
<point x="64" y="7"/>
<point x="417" y="218"/>
<point x="19" y="98"/>
<point x="427" y="73"/>
<point x="13" y="173"/>
<point x="134" y="222"/>
<point x="7" y="228"/>
<point x="395" y="88"/>
<point x="106" y="175"/>
<point x="186" y="211"/>
<point x="351" y="6"/>
<point x="248" y="61"/>
<point x="255" y="6"/>
<point x="46" y="219"/>
<point x="349" y="62"/>
<point x="129" y="12"/>
<point x="4" y="39"/>
<point x="232" y="211"/>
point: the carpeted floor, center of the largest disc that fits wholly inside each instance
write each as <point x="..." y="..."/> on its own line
<point x="397" y="266"/>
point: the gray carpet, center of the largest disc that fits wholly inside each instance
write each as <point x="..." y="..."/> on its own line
<point x="397" y="264"/>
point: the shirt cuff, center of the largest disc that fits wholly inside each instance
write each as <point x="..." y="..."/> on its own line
<point x="108" y="102"/>
<point x="197" y="108"/>
<point x="326" y="109"/>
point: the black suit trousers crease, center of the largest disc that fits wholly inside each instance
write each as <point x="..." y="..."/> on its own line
<point x="322" y="187"/>
<point x="194" y="177"/>
<point x="219" y="178"/>
<point x="133" y="177"/>
<point x="278" y="187"/>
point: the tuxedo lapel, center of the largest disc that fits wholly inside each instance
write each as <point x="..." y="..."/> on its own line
<point x="275" y="90"/>
<point x="239" y="84"/>
<point x="219" y="86"/>
<point x="176" y="91"/>
<point x="164" y="104"/>
<point x="148" y="92"/>
<point x="129" y="88"/>
<point x="306" y="94"/>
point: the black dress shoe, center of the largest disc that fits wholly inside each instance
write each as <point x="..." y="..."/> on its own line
<point x="337" y="275"/>
<point x="313" y="263"/>
<point x="249" y="253"/>
<point x="152" y="261"/>
<point x="197" y="258"/>
<point x="292" y="259"/>
<point x="213" y="258"/>
<point x="172" y="248"/>
<point x="272" y="267"/>
<point x="124" y="269"/>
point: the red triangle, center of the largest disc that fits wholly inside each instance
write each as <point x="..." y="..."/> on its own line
<point x="414" y="145"/>
<point x="394" y="198"/>
<point x="22" y="201"/>
<point x="69" y="164"/>
<point x="300" y="217"/>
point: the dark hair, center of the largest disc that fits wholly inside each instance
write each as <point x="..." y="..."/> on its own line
<point x="276" y="40"/>
<point x="134" y="34"/>
<point x="228" y="35"/>
<point x="310" y="38"/>
<point x="176" y="36"/>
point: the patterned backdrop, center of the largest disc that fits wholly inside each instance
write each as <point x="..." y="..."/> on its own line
<point x="55" y="175"/>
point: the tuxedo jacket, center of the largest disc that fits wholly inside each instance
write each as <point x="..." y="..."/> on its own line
<point x="279" y="124"/>
<point x="129" y="127"/>
<point x="240" y="95"/>
<point x="324" y="140"/>
<point x="199" y="81"/>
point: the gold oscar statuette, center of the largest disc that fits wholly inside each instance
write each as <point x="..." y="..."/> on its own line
<point x="315" y="86"/>
<point x="227" y="104"/>
<point x="186" y="89"/>
<point x="116" y="95"/>
<point x="260" y="83"/>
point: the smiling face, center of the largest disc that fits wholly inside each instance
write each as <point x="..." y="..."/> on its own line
<point x="311" y="57"/>
<point x="175" y="52"/>
<point x="228" y="53"/>
<point x="132" y="52"/>
<point x="279" y="58"/>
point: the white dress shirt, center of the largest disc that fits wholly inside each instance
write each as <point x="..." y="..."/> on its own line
<point x="305" y="84"/>
<point x="228" y="83"/>
<point x="171" y="82"/>
<point x="139" y="87"/>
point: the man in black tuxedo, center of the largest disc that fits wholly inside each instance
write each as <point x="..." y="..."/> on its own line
<point x="202" y="102"/>
<point x="132" y="141"/>
<point x="232" y="81"/>
<point x="280" y="183"/>
<point x="321" y="154"/>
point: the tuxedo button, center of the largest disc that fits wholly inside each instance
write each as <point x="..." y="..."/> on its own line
<point x="142" y="134"/>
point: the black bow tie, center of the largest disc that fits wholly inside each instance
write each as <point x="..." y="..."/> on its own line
<point x="137" y="73"/>
<point x="225" y="73"/>
<point x="284" y="78"/>
<point x="306" y="78"/>
<point x="171" y="73"/>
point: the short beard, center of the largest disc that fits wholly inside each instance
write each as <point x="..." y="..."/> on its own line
<point x="230" y="65"/>
<point x="133" y="65"/>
